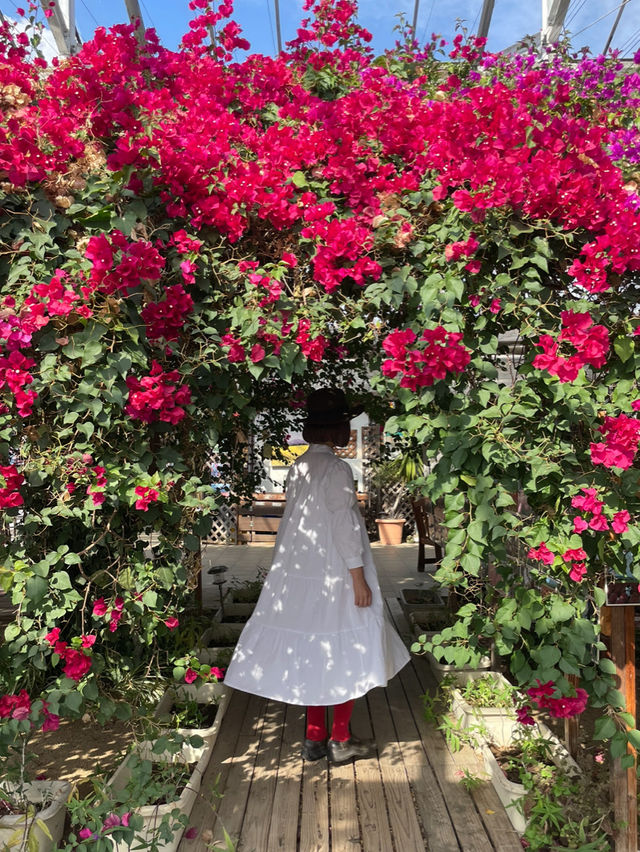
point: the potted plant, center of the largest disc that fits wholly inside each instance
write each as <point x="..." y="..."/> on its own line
<point x="390" y="476"/>
<point x="32" y="811"/>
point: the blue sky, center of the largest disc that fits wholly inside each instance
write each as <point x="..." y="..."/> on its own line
<point x="512" y="19"/>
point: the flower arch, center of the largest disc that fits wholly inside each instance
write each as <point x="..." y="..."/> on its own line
<point x="191" y="240"/>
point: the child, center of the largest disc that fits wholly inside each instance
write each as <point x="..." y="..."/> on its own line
<point x="319" y="635"/>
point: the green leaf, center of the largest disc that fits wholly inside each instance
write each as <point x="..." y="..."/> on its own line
<point x="561" y="611"/>
<point x="191" y="542"/>
<point x="299" y="179"/>
<point x="624" y="348"/>
<point x="547" y="656"/>
<point x="73" y="700"/>
<point x="604" y="728"/>
<point x="37" y="588"/>
<point x="634" y="737"/>
<point x="607" y="665"/>
<point x="471" y="564"/>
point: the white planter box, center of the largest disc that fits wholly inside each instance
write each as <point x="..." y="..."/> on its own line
<point x="153" y="814"/>
<point x="509" y="791"/>
<point x="207" y="693"/>
<point x="419" y="600"/>
<point x="494" y="723"/>
<point x="215" y="656"/>
<point x="236" y="596"/>
<point x="12" y="827"/>
<point x="461" y="675"/>
<point x="229" y="610"/>
<point x="217" y="635"/>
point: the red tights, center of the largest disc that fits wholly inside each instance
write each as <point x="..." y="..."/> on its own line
<point x="317" y="727"/>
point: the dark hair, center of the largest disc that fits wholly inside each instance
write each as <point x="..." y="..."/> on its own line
<point x="338" y="434"/>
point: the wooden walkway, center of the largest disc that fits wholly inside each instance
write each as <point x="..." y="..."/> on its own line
<point x="406" y="799"/>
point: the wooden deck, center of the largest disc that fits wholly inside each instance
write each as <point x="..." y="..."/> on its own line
<point x="406" y="799"/>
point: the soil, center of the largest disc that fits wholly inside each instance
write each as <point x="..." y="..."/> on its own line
<point x="78" y="751"/>
<point x="6" y="809"/>
<point x="420" y="596"/>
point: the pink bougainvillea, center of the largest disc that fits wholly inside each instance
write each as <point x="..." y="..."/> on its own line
<point x="437" y="353"/>
<point x="619" y="448"/>
<point x="157" y="396"/>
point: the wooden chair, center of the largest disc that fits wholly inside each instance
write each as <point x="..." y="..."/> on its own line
<point x="428" y="517"/>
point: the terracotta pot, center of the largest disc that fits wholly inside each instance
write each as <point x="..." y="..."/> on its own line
<point x="390" y="530"/>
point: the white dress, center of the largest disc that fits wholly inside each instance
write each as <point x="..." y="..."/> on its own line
<point x="307" y="642"/>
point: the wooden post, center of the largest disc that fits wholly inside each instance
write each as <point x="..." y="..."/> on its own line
<point x="571" y="726"/>
<point x="624" y="781"/>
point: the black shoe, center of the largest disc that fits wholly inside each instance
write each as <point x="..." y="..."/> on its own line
<point x="314" y="749"/>
<point x="351" y="749"/>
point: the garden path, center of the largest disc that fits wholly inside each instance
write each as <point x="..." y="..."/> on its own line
<point x="408" y="798"/>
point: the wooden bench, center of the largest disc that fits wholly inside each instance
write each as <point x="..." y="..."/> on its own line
<point x="259" y="520"/>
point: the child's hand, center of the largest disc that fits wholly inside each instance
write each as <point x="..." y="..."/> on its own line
<point x="361" y="590"/>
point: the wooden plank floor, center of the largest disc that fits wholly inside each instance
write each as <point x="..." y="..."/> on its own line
<point x="407" y="798"/>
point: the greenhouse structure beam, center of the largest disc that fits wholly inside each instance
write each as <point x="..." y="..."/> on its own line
<point x="553" y="14"/>
<point x="62" y="24"/>
<point x="485" y="18"/>
<point x="133" y="10"/>
<point x="615" y="25"/>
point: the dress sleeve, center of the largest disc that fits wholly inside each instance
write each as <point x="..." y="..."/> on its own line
<point x="344" y="516"/>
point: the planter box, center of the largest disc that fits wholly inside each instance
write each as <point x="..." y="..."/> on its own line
<point x="242" y="595"/>
<point x="234" y="611"/>
<point x="460" y="674"/>
<point x="429" y="620"/>
<point x="220" y="635"/>
<point x="152" y="814"/>
<point x="215" y="656"/>
<point x="510" y="791"/>
<point x="207" y="693"/>
<point x="13" y="826"/>
<point x="417" y="599"/>
<point x="496" y="723"/>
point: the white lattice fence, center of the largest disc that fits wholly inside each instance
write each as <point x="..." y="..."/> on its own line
<point x="224" y="527"/>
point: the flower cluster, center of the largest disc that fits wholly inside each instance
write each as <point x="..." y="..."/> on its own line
<point x="20" y="706"/>
<point x="10" y="496"/>
<point x="77" y="662"/>
<point x="421" y="367"/>
<point x="114" y="613"/>
<point x="119" y="265"/>
<point x="561" y="707"/>
<point x="157" y="396"/>
<point x="312" y="348"/>
<point x="620" y="446"/>
<point x="593" y="516"/>
<point x="167" y="317"/>
<point x="146" y="495"/>
<point x="591" y="344"/>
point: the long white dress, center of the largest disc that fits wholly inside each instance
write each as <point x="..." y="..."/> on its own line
<point x="307" y="642"/>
